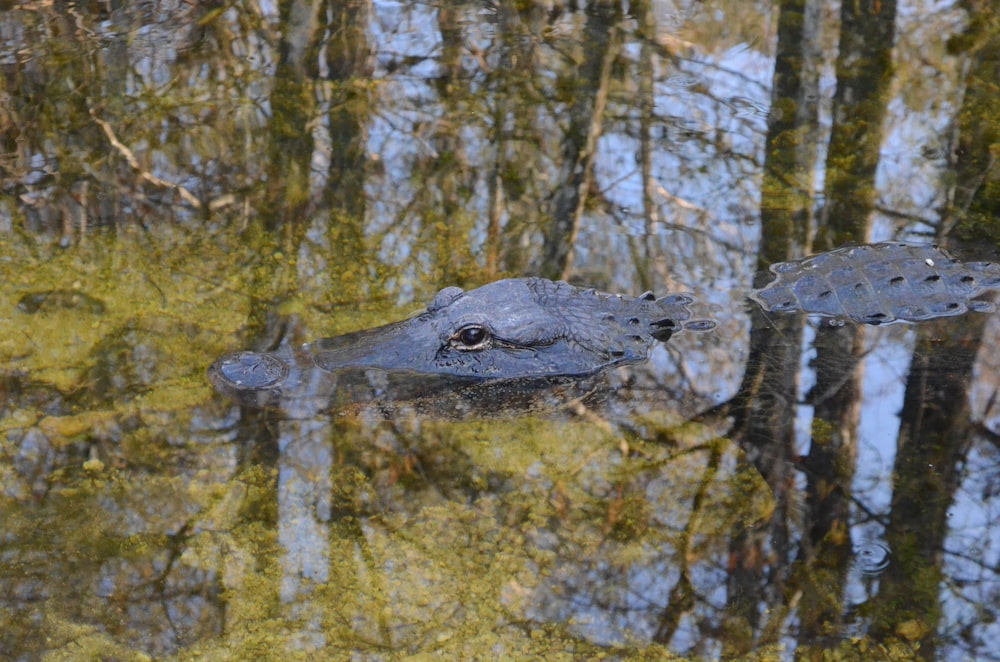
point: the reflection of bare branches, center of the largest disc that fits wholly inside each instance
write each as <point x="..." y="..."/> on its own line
<point x="682" y="595"/>
<point x="986" y="434"/>
<point x="740" y="249"/>
<point x="134" y="163"/>
<point x="586" y="127"/>
<point x="817" y="397"/>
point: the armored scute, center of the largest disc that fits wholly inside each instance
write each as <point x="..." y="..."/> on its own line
<point x="879" y="284"/>
<point x="515" y="329"/>
<point x="525" y="330"/>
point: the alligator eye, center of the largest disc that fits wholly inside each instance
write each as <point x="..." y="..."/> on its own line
<point x="471" y="337"/>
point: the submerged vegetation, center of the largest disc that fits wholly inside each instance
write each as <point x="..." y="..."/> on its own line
<point x="180" y="180"/>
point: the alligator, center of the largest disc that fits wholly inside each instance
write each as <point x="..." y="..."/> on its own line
<point x="515" y="329"/>
<point x="880" y="284"/>
<point x="523" y="330"/>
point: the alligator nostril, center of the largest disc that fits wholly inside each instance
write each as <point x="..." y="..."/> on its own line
<point x="699" y="325"/>
<point x="251" y="370"/>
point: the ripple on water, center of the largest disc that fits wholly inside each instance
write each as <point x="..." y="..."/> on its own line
<point x="872" y="557"/>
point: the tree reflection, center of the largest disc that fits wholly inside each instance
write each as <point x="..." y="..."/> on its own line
<point x="178" y="180"/>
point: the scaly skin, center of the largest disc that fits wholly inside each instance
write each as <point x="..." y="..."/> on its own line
<point x="520" y="328"/>
<point x="528" y="329"/>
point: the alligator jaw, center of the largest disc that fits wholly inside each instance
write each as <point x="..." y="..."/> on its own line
<point x="518" y="329"/>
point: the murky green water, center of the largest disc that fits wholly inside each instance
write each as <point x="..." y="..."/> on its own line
<point x="178" y="181"/>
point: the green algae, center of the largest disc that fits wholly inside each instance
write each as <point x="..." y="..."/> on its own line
<point x="435" y="546"/>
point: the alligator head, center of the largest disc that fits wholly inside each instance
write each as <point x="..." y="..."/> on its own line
<point x="520" y="328"/>
<point x="535" y="329"/>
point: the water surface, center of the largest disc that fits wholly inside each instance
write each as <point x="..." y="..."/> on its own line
<point x="179" y="180"/>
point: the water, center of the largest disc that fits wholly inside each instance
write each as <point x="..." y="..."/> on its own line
<point x="180" y="182"/>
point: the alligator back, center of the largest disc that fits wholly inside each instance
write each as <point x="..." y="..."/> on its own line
<point x="611" y="326"/>
<point x="880" y="284"/>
